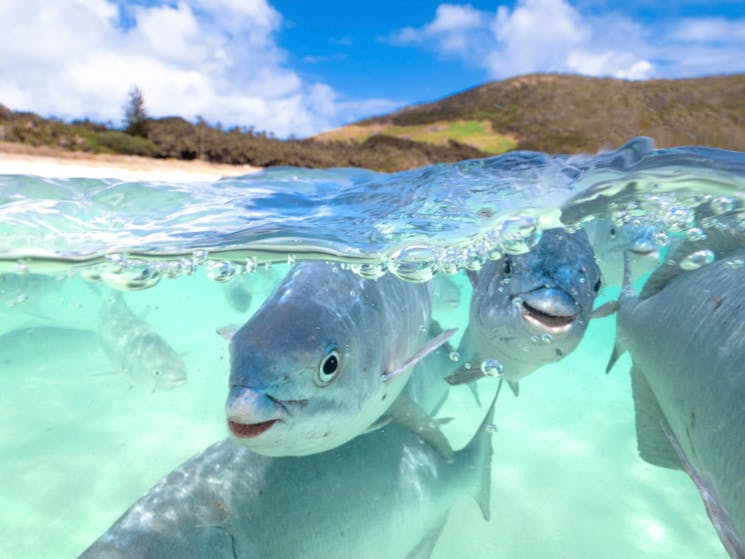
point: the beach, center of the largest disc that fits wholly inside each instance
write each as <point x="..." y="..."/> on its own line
<point x="21" y="159"/>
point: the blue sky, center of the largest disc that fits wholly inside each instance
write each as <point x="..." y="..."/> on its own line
<point x="299" y="67"/>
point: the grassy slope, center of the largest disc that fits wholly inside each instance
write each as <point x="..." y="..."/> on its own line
<point x="567" y="113"/>
<point x="551" y="113"/>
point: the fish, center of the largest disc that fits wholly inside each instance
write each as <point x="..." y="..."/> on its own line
<point x="610" y="242"/>
<point x="384" y="494"/>
<point x="325" y="357"/>
<point x="685" y="338"/>
<point x="529" y="310"/>
<point x="131" y="344"/>
<point x="238" y="296"/>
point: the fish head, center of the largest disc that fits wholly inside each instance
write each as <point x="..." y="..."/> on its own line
<point x="610" y="241"/>
<point x="300" y="379"/>
<point x="166" y="376"/>
<point x="532" y="309"/>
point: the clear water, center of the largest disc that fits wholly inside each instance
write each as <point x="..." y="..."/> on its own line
<point x="80" y="441"/>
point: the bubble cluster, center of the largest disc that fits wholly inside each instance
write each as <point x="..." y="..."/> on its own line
<point x="697" y="259"/>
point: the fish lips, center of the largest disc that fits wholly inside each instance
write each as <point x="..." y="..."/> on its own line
<point x="251" y="412"/>
<point x="549" y="309"/>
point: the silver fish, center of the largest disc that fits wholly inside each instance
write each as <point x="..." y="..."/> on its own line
<point x="324" y="358"/>
<point x="686" y="343"/>
<point x="611" y="241"/>
<point x="132" y="345"/>
<point x="529" y="310"/>
<point x="384" y="494"/>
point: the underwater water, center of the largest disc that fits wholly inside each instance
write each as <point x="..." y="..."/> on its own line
<point x="81" y="439"/>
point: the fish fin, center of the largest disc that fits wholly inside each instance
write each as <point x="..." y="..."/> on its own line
<point x="718" y="514"/>
<point x="474" y="388"/>
<point x="424" y="548"/>
<point x="227" y="331"/>
<point x="473" y="277"/>
<point x="463" y="376"/>
<point x="617" y="352"/>
<point x="514" y="386"/>
<point x="382" y="421"/>
<point x="425" y="350"/>
<point x="606" y="309"/>
<point x="410" y="415"/>
<point x="651" y="440"/>
<point x="481" y="444"/>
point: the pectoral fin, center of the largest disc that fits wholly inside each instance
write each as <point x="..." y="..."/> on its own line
<point x="617" y="352"/>
<point x="425" y="350"/>
<point x="407" y="413"/>
<point x="606" y="309"/>
<point x="651" y="439"/>
<point x="463" y="376"/>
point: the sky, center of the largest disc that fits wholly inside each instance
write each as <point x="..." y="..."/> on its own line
<point x="298" y="67"/>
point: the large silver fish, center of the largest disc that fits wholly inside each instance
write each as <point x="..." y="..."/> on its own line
<point x="686" y="339"/>
<point x="325" y="356"/>
<point x="133" y="346"/>
<point x="529" y="310"/>
<point x="610" y="242"/>
<point x="384" y="494"/>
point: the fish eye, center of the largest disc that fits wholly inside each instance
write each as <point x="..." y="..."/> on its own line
<point x="612" y="232"/>
<point x="597" y="285"/>
<point x="507" y="269"/>
<point x="328" y="369"/>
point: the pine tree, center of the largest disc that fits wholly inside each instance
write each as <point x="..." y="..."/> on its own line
<point x="135" y="116"/>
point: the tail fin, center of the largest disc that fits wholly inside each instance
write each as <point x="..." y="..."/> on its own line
<point x="481" y="446"/>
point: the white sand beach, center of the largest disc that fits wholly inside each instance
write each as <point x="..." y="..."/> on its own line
<point x="18" y="159"/>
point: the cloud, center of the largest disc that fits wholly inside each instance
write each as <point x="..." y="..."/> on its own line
<point x="212" y="58"/>
<point x="556" y="36"/>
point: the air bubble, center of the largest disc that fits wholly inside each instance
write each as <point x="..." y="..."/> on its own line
<point x="695" y="234"/>
<point x="492" y="368"/>
<point x="290" y="260"/>
<point x="132" y="276"/>
<point x="415" y="263"/>
<point x="519" y="234"/>
<point x="454" y="356"/>
<point x="369" y="271"/>
<point x="220" y="271"/>
<point x="697" y="259"/>
<point x="723" y="205"/>
<point x="547" y="338"/>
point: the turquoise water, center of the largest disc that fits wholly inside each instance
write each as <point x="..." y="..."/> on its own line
<point x="81" y="441"/>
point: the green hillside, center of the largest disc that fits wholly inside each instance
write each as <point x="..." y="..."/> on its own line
<point x="551" y="113"/>
<point x="567" y="113"/>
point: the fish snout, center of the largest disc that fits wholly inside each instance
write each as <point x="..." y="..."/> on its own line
<point x="549" y="308"/>
<point x="644" y="246"/>
<point x="167" y="378"/>
<point x="251" y="412"/>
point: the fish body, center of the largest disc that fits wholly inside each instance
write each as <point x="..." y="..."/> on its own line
<point x="384" y="494"/>
<point x="133" y="346"/>
<point x="688" y="381"/>
<point x="532" y="309"/>
<point x="611" y="241"/>
<point x="324" y="358"/>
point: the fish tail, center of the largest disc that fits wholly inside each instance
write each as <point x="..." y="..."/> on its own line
<point x="480" y="447"/>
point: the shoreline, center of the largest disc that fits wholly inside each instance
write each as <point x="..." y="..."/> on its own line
<point x="50" y="162"/>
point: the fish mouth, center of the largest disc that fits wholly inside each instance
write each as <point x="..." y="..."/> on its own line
<point x="550" y="309"/>
<point x="250" y="430"/>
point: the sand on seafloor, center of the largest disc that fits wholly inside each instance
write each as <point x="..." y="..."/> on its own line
<point x="19" y="159"/>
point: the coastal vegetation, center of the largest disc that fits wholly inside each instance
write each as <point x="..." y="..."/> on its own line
<point x="551" y="113"/>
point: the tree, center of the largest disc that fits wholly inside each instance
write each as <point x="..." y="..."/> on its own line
<point x="135" y="116"/>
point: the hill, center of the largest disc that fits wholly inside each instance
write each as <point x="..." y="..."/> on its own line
<point x="551" y="113"/>
<point x="568" y="114"/>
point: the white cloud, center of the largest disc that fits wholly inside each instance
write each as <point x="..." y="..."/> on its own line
<point x="214" y="58"/>
<point x="556" y="36"/>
